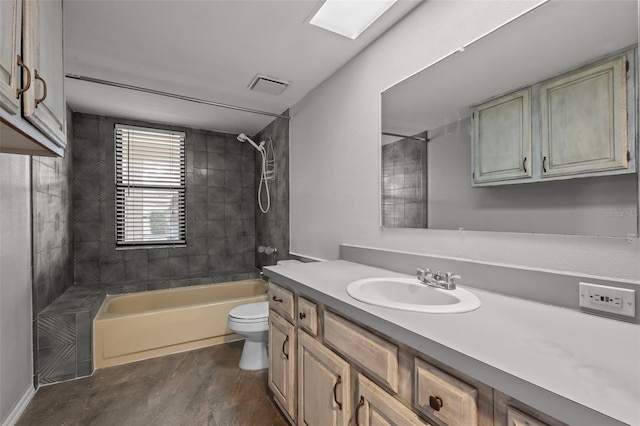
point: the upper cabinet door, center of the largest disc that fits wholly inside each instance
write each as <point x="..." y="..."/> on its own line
<point x="44" y="103"/>
<point x="502" y="138"/>
<point x="10" y="40"/>
<point x="584" y="121"/>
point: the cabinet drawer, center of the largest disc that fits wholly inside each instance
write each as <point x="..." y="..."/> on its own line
<point x="443" y="397"/>
<point x="373" y="354"/>
<point x="281" y="300"/>
<point x="518" y="418"/>
<point x="308" y="315"/>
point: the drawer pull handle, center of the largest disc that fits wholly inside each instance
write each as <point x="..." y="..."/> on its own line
<point x="335" y="392"/>
<point x="524" y="164"/>
<point x="44" y="89"/>
<point x="360" y="404"/>
<point x="286" y="340"/>
<point x="435" y="402"/>
<point x="276" y="299"/>
<point x="25" y="88"/>
<point x="544" y="165"/>
<point x="302" y="315"/>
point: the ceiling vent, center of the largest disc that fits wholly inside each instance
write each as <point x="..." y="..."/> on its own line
<point x="270" y="85"/>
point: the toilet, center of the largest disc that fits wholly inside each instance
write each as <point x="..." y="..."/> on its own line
<point x="252" y="322"/>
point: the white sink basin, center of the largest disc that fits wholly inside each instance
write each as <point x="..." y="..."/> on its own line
<point x="409" y="294"/>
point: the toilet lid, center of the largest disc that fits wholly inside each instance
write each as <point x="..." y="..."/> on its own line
<point x="259" y="310"/>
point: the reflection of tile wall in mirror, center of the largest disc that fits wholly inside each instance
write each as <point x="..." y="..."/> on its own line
<point x="404" y="197"/>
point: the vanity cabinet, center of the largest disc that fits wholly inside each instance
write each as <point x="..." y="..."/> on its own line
<point x="324" y="369"/>
<point x="502" y="138"/>
<point x="282" y="362"/>
<point x="324" y="393"/>
<point x="32" y="117"/>
<point x="579" y="124"/>
<point x="376" y="407"/>
<point x="511" y="412"/>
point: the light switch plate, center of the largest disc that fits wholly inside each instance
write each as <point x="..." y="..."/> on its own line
<point x="621" y="301"/>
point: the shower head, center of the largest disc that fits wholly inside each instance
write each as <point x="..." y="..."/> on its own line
<point x="244" y="138"/>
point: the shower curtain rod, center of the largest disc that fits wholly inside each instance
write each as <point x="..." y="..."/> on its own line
<point x="172" y="95"/>
<point x="415" y="138"/>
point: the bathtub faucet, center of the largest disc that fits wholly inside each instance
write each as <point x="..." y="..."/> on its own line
<point x="267" y="250"/>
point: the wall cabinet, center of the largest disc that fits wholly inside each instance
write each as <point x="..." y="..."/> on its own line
<point x="584" y="121"/>
<point x="32" y="117"/>
<point x="579" y="124"/>
<point x="502" y="138"/>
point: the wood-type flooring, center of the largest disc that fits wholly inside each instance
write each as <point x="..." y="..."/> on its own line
<point x="201" y="387"/>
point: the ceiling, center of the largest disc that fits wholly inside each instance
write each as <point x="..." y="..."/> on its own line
<point x="209" y="50"/>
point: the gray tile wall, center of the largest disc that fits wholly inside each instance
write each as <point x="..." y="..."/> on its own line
<point x="221" y="235"/>
<point x="52" y="233"/>
<point x="52" y="203"/>
<point x="404" y="184"/>
<point x="272" y="228"/>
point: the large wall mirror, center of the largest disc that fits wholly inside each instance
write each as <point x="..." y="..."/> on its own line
<point x="427" y="128"/>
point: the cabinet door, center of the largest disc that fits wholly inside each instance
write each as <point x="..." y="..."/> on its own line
<point x="282" y="361"/>
<point x="584" y="121"/>
<point x="10" y="40"/>
<point x="323" y="385"/>
<point x="502" y="138"/>
<point x="44" y="104"/>
<point x="376" y="407"/>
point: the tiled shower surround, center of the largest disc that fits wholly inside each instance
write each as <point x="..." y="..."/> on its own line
<point x="74" y="232"/>
<point x="272" y="228"/>
<point x="52" y="246"/>
<point x="404" y="184"/>
<point x="220" y="213"/>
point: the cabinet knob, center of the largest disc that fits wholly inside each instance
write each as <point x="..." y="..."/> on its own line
<point x="44" y="89"/>
<point x="435" y="402"/>
<point x="25" y="88"/>
<point x="302" y="315"/>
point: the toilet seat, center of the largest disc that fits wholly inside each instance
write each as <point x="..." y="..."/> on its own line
<point x="250" y="313"/>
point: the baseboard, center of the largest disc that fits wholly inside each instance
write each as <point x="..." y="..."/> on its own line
<point x="20" y="407"/>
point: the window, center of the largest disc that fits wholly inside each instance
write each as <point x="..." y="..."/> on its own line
<point x="150" y="186"/>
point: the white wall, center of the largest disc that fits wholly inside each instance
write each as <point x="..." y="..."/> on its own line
<point x="16" y="354"/>
<point x="334" y="134"/>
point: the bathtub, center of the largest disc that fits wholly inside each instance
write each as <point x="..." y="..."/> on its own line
<point x="138" y="326"/>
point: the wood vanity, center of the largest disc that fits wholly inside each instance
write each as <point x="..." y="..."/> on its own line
<point x="328" y="367"/>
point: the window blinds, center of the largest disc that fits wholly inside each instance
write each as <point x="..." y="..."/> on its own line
<point x="150" y="186"/>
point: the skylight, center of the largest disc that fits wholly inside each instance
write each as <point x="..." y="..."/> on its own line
<point x="349" y="18"/>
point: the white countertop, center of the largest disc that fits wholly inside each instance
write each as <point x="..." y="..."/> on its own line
<point x="580" y="368"/>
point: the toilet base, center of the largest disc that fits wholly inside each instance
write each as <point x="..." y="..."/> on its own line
<point x="254" y="356"/>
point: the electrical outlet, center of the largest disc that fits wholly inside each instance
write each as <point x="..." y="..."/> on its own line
<point x="616" y="300"/>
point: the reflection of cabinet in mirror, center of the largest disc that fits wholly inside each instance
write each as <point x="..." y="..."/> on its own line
<point x="502" y="138"/>
<point x="580" y="124"/>
<point x="584" y="121"/>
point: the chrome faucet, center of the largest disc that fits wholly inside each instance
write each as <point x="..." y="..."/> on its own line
<point x="437" y="279"/>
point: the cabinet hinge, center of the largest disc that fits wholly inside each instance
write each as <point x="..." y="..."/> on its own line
<point x="628" y="155"/>
<point x="473" y="175"/>
<point x="626" y="65"/>
<point x="473" y="115"/>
